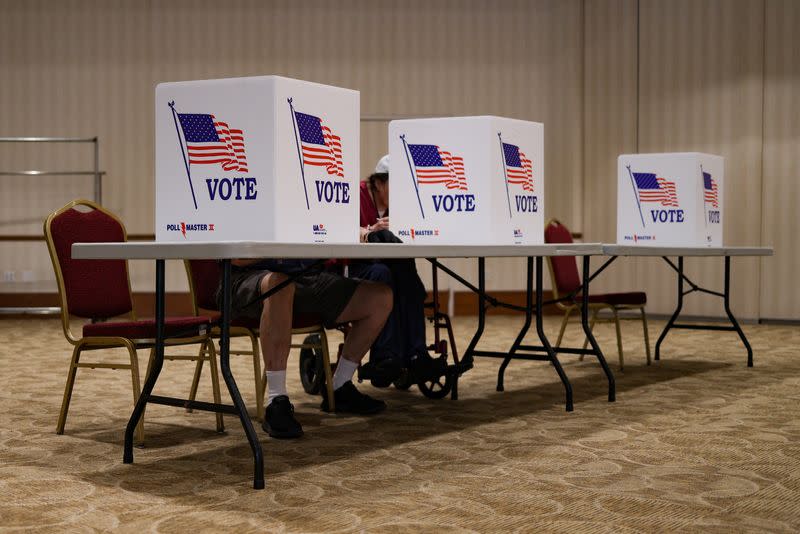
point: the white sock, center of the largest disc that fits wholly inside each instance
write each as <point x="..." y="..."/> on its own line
<point x="345" y="370"/>
<point x="276" y="384"/>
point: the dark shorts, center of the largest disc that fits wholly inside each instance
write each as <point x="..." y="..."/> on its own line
<point x="321" y="294"/>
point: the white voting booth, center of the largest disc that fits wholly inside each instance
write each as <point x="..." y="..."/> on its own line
<point x="467" y="181"/>
<point x="670" y="199"/>
<point x="262" y="158"/>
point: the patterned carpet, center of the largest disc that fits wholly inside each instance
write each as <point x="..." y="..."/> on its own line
<point x="695" y="442"/>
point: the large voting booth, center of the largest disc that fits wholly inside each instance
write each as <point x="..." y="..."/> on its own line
<point x="263" y="158"/>
<point x="670" y="199"/>
<point x="467" y="181"/>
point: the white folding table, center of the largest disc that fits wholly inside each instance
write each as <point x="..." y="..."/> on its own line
<point x="226" y="251"/>
<point x="614" y="251"/>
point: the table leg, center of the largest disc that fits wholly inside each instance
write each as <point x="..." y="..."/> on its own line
<point x="525" y="327"/>
<point x="551" y="354"/>
<point x="155" y="367"/>
<point x="612" y="394"/>
<point x="677" y="309"/>
<point x="468" y="358"/>
<point x="225" y="367"/>
<point x="734" y="322"/>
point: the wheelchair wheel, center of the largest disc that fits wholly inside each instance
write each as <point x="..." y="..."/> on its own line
<point x="437" y="388"/>
<point x="312" y="374"/>
<point x="404" y="381"/>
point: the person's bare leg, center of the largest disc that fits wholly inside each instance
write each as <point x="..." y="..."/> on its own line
<point x="367" y="311"/>
<point x="275" y="334"/>
<point x="275" y="328"/>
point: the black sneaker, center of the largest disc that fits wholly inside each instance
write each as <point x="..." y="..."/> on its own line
<point x="350" y="400"/>
<point x="381" y="373"/>
<point x="424" y="368"/>
<point x="279" y="421"/>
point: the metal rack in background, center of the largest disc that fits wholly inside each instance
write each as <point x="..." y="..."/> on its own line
<point x="98" y="196"/>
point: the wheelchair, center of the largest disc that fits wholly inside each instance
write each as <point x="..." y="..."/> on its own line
<point x="312" y="375"/>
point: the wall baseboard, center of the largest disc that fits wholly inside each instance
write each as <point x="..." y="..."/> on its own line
<point x="179" y="303"/>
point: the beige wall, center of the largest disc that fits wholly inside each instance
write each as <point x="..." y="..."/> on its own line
<point x="604" y="76"/>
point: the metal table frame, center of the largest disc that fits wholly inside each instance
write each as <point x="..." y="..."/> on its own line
<point x="614" y="251"/>
<point x="545" y="351"/>
<point x="226" y="251"/>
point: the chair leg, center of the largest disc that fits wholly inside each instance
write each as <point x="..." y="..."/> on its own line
<point x="198" y="370"/>
<point x="137" y="388"/>
<point x="646" y="335"/>
<point x="326" y="365"/>
<point x="591" y="329"/>
<point x="73" y="369"/>
<point x="619" y="338"/>
<point x="212" y="363"/>
<point x="258" y="375"/>
<point x="564" y="322"/>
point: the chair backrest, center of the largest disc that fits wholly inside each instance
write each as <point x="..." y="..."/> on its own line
<point x="95" y="289"/>
<point x="203" y="281"/>
<point x="563" y="269"/>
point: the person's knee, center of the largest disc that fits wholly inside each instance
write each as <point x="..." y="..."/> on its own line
<point x="272" y="280"/>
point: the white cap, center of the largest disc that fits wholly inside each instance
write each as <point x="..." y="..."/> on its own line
<point x="383" y="165"/>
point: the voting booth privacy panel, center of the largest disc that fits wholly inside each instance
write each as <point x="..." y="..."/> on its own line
<point x="467" y="181"/>
<point x="263" y="158"/>
<point x="670" y="199"/>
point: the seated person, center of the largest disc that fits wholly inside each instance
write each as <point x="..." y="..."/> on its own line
<point x="363" y="304"/>
<point x="402" y="339"/>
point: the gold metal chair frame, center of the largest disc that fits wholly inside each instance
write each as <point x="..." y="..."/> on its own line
<point x="81" y="344"/>
<point x="235" y="331"/>
<point x="595" y="308"/>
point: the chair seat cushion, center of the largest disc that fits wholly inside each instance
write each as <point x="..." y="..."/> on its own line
<point x="146" y="328"/>
<point x="634" y="298"/>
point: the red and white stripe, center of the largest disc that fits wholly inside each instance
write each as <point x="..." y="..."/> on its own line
<point x="451" y="173"/>
<point x="328" y="156"/>
<point x="229" y="151"/>
<point x="711" y="195"/>
<point x="666" y="194"/>
<point x="521" y="176"/>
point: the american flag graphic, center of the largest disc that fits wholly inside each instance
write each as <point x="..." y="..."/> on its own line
<point x="710" y="190"/>
<point x="653" y="188"/>
<point x="519" y="169"/>
<point x="436" y="166"/>
<point x="209" y="141"/>
<point x="321" y="147"/>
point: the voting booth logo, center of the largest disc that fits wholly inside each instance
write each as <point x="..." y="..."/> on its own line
<point x="318" y="146"/>
<point x="659" y="196"/>
<point x="710" y="198"/>
<point x="212" y="142"/>
<point x="431" y="165"/>
<point x="518" y="173"/>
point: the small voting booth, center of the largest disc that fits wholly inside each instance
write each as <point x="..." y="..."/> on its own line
<point x="670" y="199"/>
<point x="467" y="180"/>
<point x="262" y="159"/>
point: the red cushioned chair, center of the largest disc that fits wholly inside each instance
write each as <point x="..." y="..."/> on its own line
<point x="99" y="290"/>
<point x="564" y="274"/>
<point x="204" y="278"/>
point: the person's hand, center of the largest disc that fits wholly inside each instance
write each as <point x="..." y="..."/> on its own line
<point x="381" y="224"/>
